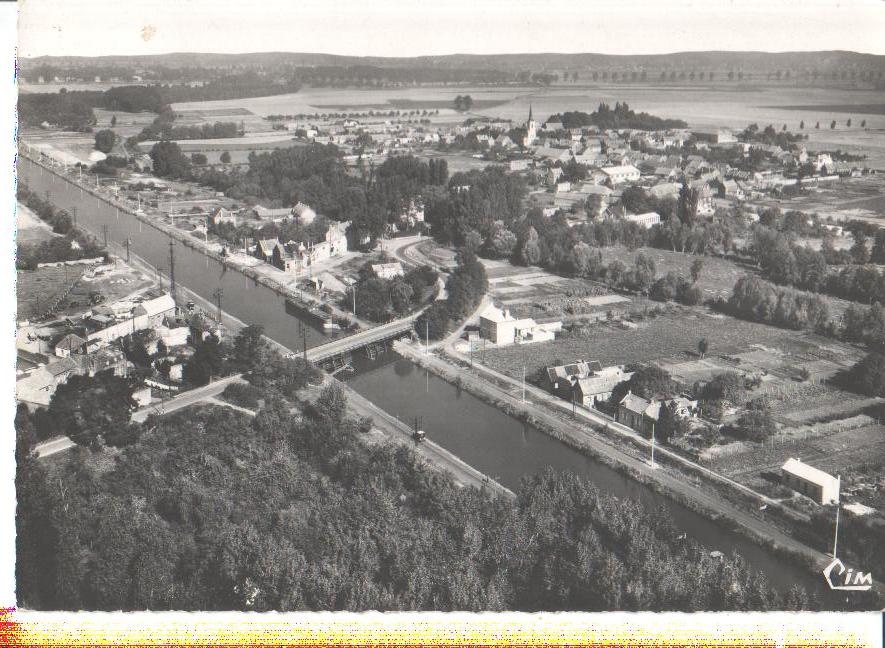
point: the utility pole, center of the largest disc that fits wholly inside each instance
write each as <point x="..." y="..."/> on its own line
<point x="304" y="340"/>
<point x="218" y="294"/>
<point x="523" y="383"/>
<point x="353" y="294"/>
<point x="838" y="506"/>
<point x="172" y="268"/>
<point x="652" y="444"/>
<point x="104" y="232"/>
<point x="74" y="214"/>
<point x="427" y="336"/>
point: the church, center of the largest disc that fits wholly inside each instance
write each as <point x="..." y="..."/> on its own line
<point x="531" y="127"/>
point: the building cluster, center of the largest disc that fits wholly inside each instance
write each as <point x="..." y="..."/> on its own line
<point x="49" y="354"/>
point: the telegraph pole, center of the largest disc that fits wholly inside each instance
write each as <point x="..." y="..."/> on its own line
<point x="218" y="294"/>
<point x="652" y="444"/>
<point x="74" y="214"/>
<point x="104" y="232"/>
<point x="304" y="340"/>
<point x="127" y="243"/>
<point x="523" y="383"/>
<point x="838" y="506"/>
<point x="172" y="268"/>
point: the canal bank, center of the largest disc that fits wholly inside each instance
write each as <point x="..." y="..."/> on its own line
<point x="500" y="436"/>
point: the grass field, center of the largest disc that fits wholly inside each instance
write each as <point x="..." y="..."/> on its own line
<point x="38" y="290"/>
<point x="717" y="277"/>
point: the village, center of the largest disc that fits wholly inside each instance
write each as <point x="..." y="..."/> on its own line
<point x="694" y="302"/>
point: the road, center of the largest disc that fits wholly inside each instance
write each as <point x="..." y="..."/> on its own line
<point x="206" y="392"/>
<point x="52" y="446"/>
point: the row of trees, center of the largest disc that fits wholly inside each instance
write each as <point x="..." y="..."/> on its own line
<point x="466" y="286"/>
<point x="621" y="116"/>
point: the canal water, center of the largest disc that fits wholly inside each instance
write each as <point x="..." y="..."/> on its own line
<point x="508" y="449"/>
<point x="243" y="297"/>
<point x="483" y="436"/>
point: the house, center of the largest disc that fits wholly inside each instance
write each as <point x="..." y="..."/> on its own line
<point x="35" y="389"/>
<point x="156" y="309"/>
<point x="500" y="327"/>
<point x="69" y="344"/>
<point x="274" y="214"/>
<point x="587" y="383"/>
<point x="264" y="249"/>
<point x="619" y="174"/>
<point x="553" y="154"/>
<point x="822" y="487"/>
<point x="388" y="270"/>
<point x="61" y="370"/>
<point x="714" y="136"/>
<point x="553" y="175"/>
<point x="106" y="359"/>
<point x="173" y="337"/>
<point x="221" y="215"/>
<point x="646" y="220"/>
<point x="519" y="165"/>
<point x="641" y="415"/>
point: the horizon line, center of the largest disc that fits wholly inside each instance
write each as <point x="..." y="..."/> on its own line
<point x="453" y="54"/>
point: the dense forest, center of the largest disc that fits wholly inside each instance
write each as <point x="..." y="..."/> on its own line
<point x="292" y="510"/>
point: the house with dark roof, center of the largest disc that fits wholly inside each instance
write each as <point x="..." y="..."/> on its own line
<point x="641" y="414"/>
<point x="588" y="383"/>
<point x="69" y="344"/>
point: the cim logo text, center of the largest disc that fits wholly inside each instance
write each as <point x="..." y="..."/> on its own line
<point x="855" y="581"/>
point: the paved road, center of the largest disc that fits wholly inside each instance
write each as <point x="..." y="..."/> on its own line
<point x="362" y="338"/>
<point x="49" y="448"/>
<point x="185" y="399"/>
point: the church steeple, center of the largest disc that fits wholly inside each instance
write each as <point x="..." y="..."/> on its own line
<point x="530" y="112"/>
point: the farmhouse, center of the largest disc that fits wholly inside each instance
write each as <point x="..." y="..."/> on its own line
<point x="822" y="487"/>
<point x="69" y="344"/>
<point x="641" y="415"/>
<point x="588" y="383"/>
<point x="500" y="327"/>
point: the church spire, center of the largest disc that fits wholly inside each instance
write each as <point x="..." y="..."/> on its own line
<point x="530" y="112"/>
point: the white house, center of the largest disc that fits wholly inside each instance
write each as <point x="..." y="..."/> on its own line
<point x="645" y="220"/>
<point x="822" y="487"/>
<point x="388" y="270"/>
<point x="619" y="174"/>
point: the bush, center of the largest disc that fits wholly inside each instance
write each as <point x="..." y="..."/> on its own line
<point x="242" y="394"/>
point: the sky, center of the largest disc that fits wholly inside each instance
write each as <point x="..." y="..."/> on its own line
<point x="419" y="27"/>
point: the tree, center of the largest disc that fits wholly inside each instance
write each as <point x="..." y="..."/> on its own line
<point x="225" y="157"/>
<point x="206" y="363"/>
<point x="802" y="125"/>
<point x="703" y="346"/>
<point x="113" y="120"/>
<point x="757" y="422"/>
<point x="696" y="267"/>
<point x="105" y="140"/>
<point x="250" y="349"/>
<point x="433" y="322"/>
<point x="833" y="125"/>
<point x="331" y="405"/>
<point x="866" y="377"/>
<point x="168" y="160"/>
<point x="199" y="158"/>
<point x="859" y="251"/>
<point x="848" y="123"/>
<point x="85" y="408"/>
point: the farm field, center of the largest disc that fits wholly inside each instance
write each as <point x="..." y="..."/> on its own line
<point x="700" y="105"/>
<point x="668" y="339"/>
<point x="852" y="198"/>
<point x="29" y="227"/>
<point x="534" y="292"/>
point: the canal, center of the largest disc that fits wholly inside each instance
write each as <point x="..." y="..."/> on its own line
<point x="484" y="437"/>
